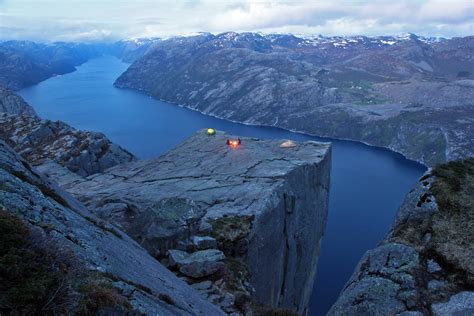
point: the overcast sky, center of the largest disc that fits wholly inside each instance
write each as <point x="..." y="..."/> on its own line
<point x="82" y="20"/>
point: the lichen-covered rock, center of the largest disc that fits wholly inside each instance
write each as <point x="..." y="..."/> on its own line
<point x="39" y="141"/>
<point x="458" y="304"/>
<point x="265" y="205"/>
<point x="198" y="264"/>
<point x="12" y="103"/>
<point x="425" y="263"/>
<point x="149" y="287"/>
<point x="203" y="242"/>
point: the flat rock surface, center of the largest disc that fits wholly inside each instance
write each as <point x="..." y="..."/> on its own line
<point x="276" y="198"/>
<point x="203" y="168"/>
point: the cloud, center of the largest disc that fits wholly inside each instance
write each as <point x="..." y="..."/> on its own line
<point x="113" y="19"/>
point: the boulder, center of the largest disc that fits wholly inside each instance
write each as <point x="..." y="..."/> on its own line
<point x="459" y="304"/>
<point x="203" y="242"/>
<point x="197" y="264"/>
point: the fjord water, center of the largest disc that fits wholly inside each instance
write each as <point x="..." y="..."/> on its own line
<point x="367" y="183"/>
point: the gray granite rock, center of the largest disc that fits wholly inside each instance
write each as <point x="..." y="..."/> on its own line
<point x="40" y="141"/>
<point x="12" y="103"/>
<point x="382" y="283"/>
<point x="433" y="266"/>
<point x="203" y="242"/>
<point x="197" y="264"/>
<point x="413" y="282"/>
<point x="202" y="286"/>
<point x="263" y="204"/>
<point x="461" y="304"/>
<point x="103" y="248"/>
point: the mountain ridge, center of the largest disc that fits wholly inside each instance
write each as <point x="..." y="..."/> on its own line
<point x="360" y="91"/>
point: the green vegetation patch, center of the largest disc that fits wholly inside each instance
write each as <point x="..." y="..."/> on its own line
<point x="38" y="277"/>
<point x="232" y="234"/>
<point x="453" y="225"/>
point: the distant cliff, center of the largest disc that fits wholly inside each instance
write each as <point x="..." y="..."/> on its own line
<point x="425" y="265"/>
<point x="12" y="103"/>
<point x="131" y="50"/>
<point x="411" y="94"/>
<point x="25" y="63"/>
<point x="243" y="225"/>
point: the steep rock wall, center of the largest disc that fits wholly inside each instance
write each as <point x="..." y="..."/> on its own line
<point x="266" y="206"/>
<point x="425" y="264"/>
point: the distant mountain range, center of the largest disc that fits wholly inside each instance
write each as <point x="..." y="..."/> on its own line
<point x="409" y="93"/>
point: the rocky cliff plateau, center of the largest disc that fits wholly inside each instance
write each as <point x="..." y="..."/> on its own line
<point x="410" y="94"/>
<point x="214" y="215"/>
<point x="249" y="219"/>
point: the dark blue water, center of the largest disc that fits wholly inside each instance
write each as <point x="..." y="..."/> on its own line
<point x="368" y="184"/>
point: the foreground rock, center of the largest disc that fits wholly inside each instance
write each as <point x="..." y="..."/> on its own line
<point x="12" y="103"/>
<point x="39" y="141"/>
<point x="426" y="263"/>
<point x="411" y="94"/>
<point x="265" y="205"/>
<point x="107" y="251"/>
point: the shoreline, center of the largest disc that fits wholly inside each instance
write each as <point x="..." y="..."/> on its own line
<point x="328" y="138"/>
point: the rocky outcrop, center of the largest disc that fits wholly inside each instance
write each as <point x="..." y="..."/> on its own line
<point x="12" y="103"/>
<point x="412" y="95"/>
<point x="264" y="205"/>
<point x="425" y="264"/>
<point x="38" y="141"/>
<point x="106" y="250"/>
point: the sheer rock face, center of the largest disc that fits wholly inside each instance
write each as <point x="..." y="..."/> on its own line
<point x="38" y="141"/>
<point x="265" y="205"/>
<point x="149" y="286"/>
<point x="12" y="103"/>
<point x="424" y="266"/>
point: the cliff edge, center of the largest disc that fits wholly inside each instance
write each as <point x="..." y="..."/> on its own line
<point x="425" y="265"/>
<point x="242" y="225"/>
